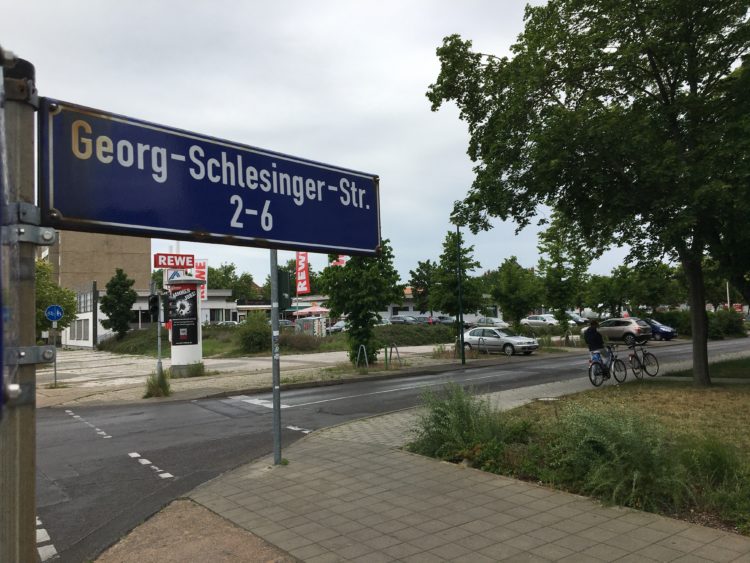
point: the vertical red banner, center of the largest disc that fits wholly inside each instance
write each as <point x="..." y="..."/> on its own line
<point x="200" y="271"/>
<point x="303" y="274"/>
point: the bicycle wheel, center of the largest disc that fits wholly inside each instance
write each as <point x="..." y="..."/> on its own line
<point x="650" y="364"/>
<point x="636" y="366"/>
<point x="596" y="374"/>
<point x="620" y="371"/>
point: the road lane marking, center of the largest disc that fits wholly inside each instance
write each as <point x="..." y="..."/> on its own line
<point x="44" y="546"/>
<point x="144" y="462"/>
<point x="263" y="403"/>
<point x="79" y="418"/>
<point x="298" y="429"/>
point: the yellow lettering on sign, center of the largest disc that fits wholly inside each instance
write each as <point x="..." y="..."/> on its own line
<point x="81" y="145"/>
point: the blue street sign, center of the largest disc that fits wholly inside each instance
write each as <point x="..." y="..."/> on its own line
<point x="53" y="313"/>
<point x="102" y="172"/>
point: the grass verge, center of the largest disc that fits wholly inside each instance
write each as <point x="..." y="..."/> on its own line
<point x="664" y="446"/>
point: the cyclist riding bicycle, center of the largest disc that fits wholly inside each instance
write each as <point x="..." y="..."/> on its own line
<point x="595" y="341"/>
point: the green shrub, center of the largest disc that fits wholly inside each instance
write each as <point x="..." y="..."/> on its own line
<point x="255" y="334"/>
<point x="720" y="324"/>
<point x="299" y="342"/>
<point x="414" y="335"/>
<point x="729" y="322"/>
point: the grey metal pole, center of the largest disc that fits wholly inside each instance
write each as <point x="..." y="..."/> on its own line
<point x="460" y="297"/>
<point x="276" y="382"/>
<point x="159" y="315"/>
<point x="18" y="428"/>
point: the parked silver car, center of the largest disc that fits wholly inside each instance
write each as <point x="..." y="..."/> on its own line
<point x="487" y="339"/>
<point x="491" y="321"/>
<point x="629" y="329"/>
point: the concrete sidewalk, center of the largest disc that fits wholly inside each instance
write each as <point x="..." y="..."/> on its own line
<point x="350" y="493"/>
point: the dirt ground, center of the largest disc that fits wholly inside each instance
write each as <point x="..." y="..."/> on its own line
<point x="185" y="531"/>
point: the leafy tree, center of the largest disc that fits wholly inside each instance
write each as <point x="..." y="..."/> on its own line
<point x="421" y="283"/>
<point x="609" y="294"/>
<point x="518" y="290"/>
<point x="360" y="288"/>
<point x="117" y="303"/>
<point x="157" y="276"/>
<point x="225" y="277"/>
<point x="728" y="236"/>
<point x="49" y="293"/>
<point x="562" y="267"/>
<point x="444" y="295"/>
<point x="652" y="285"/>
<point x="609" y="112"/>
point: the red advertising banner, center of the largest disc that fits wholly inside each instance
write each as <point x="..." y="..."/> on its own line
<point x="303" y="274"/>
<point x="200" y="271"/>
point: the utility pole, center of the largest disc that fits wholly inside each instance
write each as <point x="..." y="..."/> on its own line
<point x="18" y="426"/>
<point x="460" y="297"/>
<point x="275" y="367"/>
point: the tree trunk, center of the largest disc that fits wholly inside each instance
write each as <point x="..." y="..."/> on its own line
<point x="698" y="319"/>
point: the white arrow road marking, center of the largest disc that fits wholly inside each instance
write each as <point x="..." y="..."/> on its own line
<point x="263" y="403"/>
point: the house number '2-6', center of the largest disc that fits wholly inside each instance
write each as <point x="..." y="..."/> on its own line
<point x="266" y="219"/>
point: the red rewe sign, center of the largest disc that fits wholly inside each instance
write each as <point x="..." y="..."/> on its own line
<point x="174" y="261"/>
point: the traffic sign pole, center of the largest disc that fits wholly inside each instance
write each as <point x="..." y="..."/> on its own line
<point x="18" y="428"/>
<point x="276" y="376"/>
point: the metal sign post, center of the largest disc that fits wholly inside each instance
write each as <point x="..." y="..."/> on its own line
<point x="276" y="379"/>
<point x="275" y="357"/>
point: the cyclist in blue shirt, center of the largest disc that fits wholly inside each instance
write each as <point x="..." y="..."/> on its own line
<point x="595" y="340"/>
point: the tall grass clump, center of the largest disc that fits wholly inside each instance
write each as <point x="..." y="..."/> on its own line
<point x="157" y="386"/>
<point x="620" y="457"/>
<point x="459" y="426"/>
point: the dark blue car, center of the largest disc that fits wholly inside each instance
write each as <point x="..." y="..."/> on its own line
<point x="660" y="331"/>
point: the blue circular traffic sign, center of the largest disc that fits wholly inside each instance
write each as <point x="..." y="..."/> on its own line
<point x="53" y="313"/>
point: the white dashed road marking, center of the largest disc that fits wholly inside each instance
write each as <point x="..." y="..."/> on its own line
<point x="44" y="546"/>
<point x="298" y="429"/>
<point x="143" y="461"/>
<point x="79" y="418"/>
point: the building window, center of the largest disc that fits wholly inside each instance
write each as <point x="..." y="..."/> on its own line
<point x="73" y="331"/>
<point x="85" y="329"/>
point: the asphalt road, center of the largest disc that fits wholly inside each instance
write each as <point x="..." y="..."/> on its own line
<point x="103" y="470"/>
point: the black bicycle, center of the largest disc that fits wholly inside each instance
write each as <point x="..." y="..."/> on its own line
<point x="642" y="360"/>
<point x="599" y="370"/>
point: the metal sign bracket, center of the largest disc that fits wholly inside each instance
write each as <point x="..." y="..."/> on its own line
<point x="21" y="224"/>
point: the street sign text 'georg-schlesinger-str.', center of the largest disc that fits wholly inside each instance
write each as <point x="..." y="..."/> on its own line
<point x="101" y="172"/>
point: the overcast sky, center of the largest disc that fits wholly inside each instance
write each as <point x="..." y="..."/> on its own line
<point x="341" y="82"/>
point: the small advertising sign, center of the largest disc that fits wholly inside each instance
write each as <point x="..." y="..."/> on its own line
<point x="185" y="317"/>
<point x="174" y="261"/>
<point x="200" y="271"/>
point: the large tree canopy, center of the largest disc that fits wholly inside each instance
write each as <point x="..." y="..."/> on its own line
<point x="610" y="112"/>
